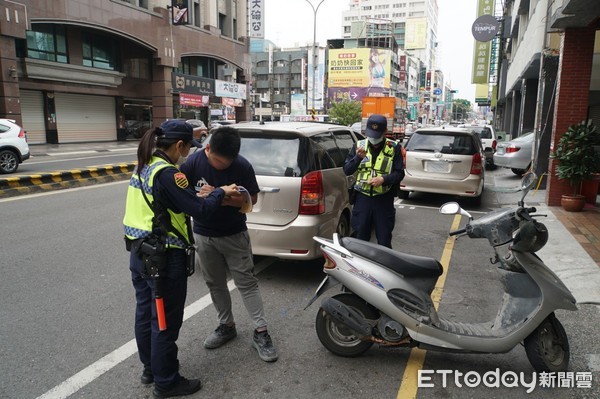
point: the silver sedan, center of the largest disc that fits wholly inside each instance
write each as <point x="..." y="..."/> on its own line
<point x="515" y="154"/>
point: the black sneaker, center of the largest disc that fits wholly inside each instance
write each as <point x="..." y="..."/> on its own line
<point x="220" y="336"/>
<point x="147" y="376"/>
<point x="182" y="388"/>
<point x="264" y="346"/>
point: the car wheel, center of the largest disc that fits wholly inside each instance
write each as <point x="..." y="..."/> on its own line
<point x="9" y="162"/>
<point x="343" y="227"/>
<point x="518" y="172"/>
<point x="202" y="138"/>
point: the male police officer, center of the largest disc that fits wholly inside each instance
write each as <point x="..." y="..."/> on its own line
<point x="380" y="168"/>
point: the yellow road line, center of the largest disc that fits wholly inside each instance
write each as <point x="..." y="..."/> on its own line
<point x="408" y="386"/>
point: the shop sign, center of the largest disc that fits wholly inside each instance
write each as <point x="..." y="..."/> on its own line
<point x="192" y="84"/>
<point x="232" y="102"/>
<point x="230" y="89"/>
<point x="179" y="12"/>
<point x="193" y="100"/>
<point x="257" y="18"/>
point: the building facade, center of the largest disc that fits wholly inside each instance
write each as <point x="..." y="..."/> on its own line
<point x="96" y="70"/>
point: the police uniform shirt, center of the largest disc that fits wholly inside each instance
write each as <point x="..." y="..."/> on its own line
<point x="227" y="220"/>
<point x="392" y="179"/>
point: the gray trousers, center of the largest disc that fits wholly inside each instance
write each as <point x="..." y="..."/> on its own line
<point x="217" y="256"/>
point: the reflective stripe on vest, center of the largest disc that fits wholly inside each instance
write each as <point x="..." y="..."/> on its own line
<point x="138" y="215"/>
<point x="368" y="169"/>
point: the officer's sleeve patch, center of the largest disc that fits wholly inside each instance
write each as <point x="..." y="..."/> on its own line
<point x="181" y="180"/>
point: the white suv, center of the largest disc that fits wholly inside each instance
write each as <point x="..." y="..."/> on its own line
<point x="487" y="134"/>
<point x="13" y="146"/>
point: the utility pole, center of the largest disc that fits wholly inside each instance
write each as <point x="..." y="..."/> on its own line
<point x="315" y="55"/>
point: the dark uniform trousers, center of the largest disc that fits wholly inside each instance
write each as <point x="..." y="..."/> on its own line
<point x="158" y="348"/>
<point x="375" y="211"/>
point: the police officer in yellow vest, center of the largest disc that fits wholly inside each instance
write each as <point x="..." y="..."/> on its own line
<point x="378" y="164"/>
<point x="157" y="187"/>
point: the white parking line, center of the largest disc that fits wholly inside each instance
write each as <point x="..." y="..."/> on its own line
<point x="113" y="359"/>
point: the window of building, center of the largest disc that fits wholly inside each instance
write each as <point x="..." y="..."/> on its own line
<point x="47" y="42"/>
<point x="197" y="14"/>
<point x="222" y="24"/>
<point x="346" y="29"/>
<point x="137" y="68"/>
<point x="99" y="51"/>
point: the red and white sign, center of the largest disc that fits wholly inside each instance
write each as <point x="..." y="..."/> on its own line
<point x="193" y="100"/>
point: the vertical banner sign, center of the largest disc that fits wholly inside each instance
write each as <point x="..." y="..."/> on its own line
<point x="270" y="57"/>
<point x="402" y="74"/>
<point x="482" y="50"/>
<point x="179" y="12"/>
<point x="257" y="18"/>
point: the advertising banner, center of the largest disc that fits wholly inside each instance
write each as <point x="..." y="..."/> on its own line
<point x="339" y="94"/>
<point x="319" y="79"/>
<point x="232" y="102"/>
<point x="359" y="67"/>
<point x="193" y="100"/>
<point x="482" y="50"/>
<point x="416" y="33"/>
<point x="256" y="18"/>
<point x="298" y="104"/>
<point x="230" y="89"/>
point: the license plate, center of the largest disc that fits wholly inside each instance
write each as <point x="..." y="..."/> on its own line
<point x="500" y="150"/>
<point x="437" y="167"/>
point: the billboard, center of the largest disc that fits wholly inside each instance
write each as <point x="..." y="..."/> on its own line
<point x="256" y="12"/>
<point x="230" y="89"/>
<point x="339" y="94"/>
<point x="359" y="67"/>
<point x="298" y="104"/>
<point x="416" y="33"/>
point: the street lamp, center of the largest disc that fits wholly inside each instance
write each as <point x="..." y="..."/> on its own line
<point x="315" y="55"/>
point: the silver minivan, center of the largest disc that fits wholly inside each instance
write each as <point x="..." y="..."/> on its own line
<point x="444" y="161"/>
<point x="303" y="188"/>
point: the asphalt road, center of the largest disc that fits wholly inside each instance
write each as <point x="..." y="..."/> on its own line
<point x="66" y="324"/>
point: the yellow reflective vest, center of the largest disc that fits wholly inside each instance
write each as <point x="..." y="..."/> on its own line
<point x="369" y="168"/>
<point x="138" y="215"/>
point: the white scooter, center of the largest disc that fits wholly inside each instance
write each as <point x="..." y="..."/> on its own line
<point x="387" y="294"/>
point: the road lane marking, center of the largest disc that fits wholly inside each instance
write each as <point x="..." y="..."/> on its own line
<point x="113" y="359"/>
<point x="408" y="386"/>
<point x="72" y="159"/>
<point x="64" y="191"/>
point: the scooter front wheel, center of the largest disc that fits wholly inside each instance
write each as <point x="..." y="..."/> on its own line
<point x="339" y="339"/>
<point x="547" y="347"/>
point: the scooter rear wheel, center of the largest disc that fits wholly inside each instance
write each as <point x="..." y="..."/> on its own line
<point x="547" y="347"/>
<point x="339" y="339"/>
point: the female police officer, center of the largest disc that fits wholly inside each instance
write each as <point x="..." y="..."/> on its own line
<point x="158" y="249"/>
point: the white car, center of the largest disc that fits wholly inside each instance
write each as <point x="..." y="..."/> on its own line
<point x="487" y="134"/>
<point x="13" y="146"/>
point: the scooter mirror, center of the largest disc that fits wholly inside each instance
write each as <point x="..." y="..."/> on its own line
<point x="450" y="208"/>
<point x="527" y="184"/>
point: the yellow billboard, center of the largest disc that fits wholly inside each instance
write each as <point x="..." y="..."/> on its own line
<point x="359" y="67"/>
<point x="416" y="33"/>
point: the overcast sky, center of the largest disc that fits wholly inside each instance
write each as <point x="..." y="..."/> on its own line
<point x="290" y="22"/>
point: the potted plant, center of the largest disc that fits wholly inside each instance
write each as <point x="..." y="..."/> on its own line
<point x="577" y="161"/>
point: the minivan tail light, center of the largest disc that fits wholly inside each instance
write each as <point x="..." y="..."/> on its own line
<point x="494" y="143"/>
<point x="512" y="148"/>
<point x="476" y="164"/>
<point x="312" y="196"/>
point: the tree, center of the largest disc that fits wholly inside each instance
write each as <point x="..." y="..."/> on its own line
<point x="460" y="108"/>
<point x="346" y="112"/>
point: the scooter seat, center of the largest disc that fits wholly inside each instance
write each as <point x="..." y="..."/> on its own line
<point x="405" y="264"/>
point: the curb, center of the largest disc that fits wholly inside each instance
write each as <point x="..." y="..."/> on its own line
<point x="22" y="185"/>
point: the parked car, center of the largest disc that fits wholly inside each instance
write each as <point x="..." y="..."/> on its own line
<point x="13" y="146"/>
<point x="200" y="130"/>
<point x="487" y="134"/>
<point x="444" y="161"/>
<point x="303" y="188"/>
<point x="515" y="154"/>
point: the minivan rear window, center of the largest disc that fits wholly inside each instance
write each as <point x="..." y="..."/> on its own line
<point x="459" y="144"/>
<point x="273" y="156"/>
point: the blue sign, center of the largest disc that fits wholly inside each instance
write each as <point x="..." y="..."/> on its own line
<point x="437" y="91"/>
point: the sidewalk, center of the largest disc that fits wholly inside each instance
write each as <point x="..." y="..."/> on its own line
<point x="40" y="150"/>
<point x="573" y="248"/>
